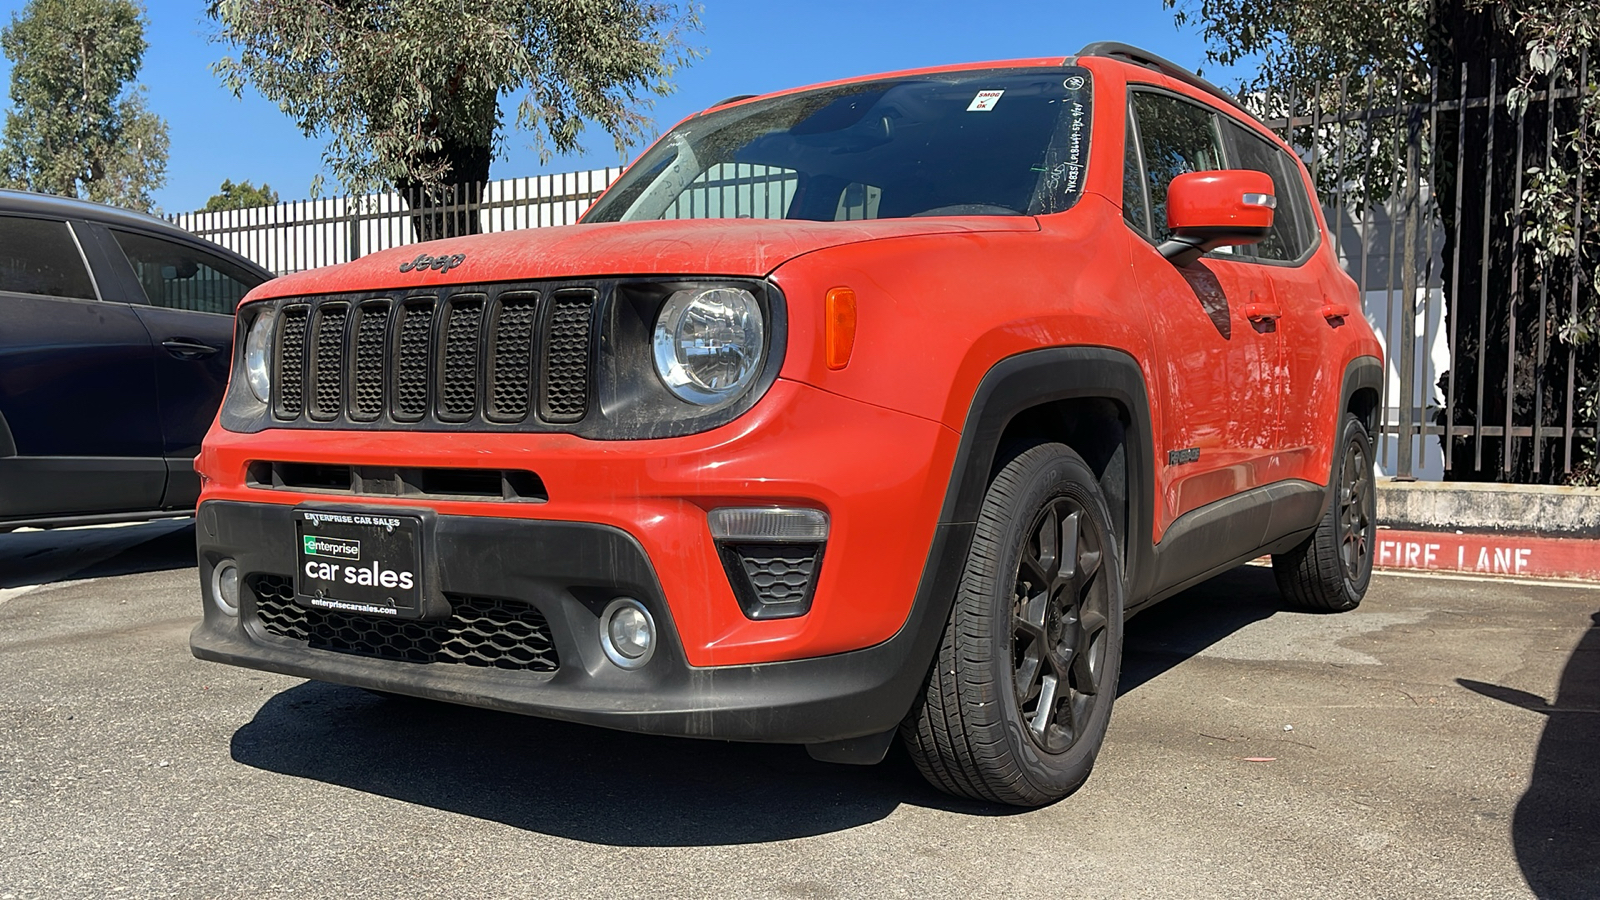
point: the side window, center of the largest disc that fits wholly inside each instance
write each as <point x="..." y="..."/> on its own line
<point x="40" y="256"/>
<point x="178" y="276"/>
<point x="1286" y="240"/>
<point x="1177" y="137"/>
<point x="1133" y="206"/>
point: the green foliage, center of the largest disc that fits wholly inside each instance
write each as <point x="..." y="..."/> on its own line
<point x="241" y="196"/>
<point x="76" y="127"/>
<point x="407" y="92"/>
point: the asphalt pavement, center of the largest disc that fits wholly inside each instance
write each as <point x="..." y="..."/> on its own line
<point x="1441" y="741"/>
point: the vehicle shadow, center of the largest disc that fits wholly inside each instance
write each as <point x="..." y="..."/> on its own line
<point x="623" y="789"/>
<point x="1556" y="827"/>
<point x="43" y="557"/>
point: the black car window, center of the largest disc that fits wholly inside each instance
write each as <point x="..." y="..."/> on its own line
<point x="1286" y="240"/>
<point x="179" y="276"/>
<point x="1133" y="207"/>
<point x="40" y="256"/>
<point x="1177" y="137"/>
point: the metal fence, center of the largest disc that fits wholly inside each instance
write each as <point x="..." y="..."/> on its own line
<point x="307" y="234"/>
<point x="1427" y="187"/>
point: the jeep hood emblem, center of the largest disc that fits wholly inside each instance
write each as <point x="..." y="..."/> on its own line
<point x="441" y="263"/>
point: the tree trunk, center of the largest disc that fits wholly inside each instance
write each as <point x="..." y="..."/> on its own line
<point x="451" y="208"/>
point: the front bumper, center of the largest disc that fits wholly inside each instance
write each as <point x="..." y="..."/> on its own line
<point x="569" y="571"/>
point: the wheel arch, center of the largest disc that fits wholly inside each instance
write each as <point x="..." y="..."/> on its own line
<point x="1092" y="399"/>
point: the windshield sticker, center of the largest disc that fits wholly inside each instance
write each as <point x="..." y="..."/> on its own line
<point x="984" y="102"/>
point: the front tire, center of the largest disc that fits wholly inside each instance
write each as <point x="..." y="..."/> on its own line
<point x="1331" y="570"/>
<point x="1020" y="695"/>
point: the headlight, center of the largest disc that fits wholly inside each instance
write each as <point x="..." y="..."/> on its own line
<point x="257" y="352"/>
<point x="708" y="343"/>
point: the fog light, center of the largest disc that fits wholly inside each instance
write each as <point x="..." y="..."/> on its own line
<point x="768" y="523"/>
<point x="225" y="586"/>
<point x="627" y="633"/>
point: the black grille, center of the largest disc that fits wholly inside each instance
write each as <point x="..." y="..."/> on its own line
<point x="292" y="361"/>
<point x="772" y="580"/>
<point x="458" y="389"/>
<point x="511" y="358"/>
<point x="446" y="357"/>
<point x="566" y="361"/>
<point x="411" y="361"/>
<point x="372" y="339"/>
<point x="482" y="632"/>
<point x="327" y="388"/>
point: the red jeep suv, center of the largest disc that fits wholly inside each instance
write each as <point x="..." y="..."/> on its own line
<point x="860" y="409"/>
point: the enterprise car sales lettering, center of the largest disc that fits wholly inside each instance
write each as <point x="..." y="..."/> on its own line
<point x="374" y="575"/>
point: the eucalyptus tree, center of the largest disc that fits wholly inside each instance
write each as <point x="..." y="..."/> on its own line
<point x="78" y="126"/>
<point x="408" y="93"/>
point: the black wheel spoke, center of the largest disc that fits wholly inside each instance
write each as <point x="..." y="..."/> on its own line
<point x="1085" y="664"/>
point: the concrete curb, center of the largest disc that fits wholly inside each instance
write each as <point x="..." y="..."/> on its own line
<point x="1499" y="509"/>
<point x="1529" y="531"/>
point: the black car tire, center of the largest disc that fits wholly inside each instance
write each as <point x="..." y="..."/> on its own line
<point x="1021" y="617"/>
<point x="1330" y="571"/>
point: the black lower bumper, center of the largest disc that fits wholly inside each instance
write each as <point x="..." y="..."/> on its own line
<point x="569" y="572"/>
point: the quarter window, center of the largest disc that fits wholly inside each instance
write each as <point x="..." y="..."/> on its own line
<point x="1133" y="208"/>
<point x="1177" y="137"/>
<point x="178" y="276"/>
<point x="40" y="256"/>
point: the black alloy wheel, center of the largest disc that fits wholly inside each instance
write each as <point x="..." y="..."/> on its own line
<point x="1020" y="693"/>
<point x="1059" y="626"/>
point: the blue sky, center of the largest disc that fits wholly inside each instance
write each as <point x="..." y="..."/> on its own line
<point x="748" y="48"/>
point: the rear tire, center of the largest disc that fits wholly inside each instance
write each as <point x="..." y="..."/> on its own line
<point x="1331" y="570"/>
<point x="1020" y="695"/>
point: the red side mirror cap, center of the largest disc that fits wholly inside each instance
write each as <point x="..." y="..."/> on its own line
<point x="1207" y="210"/>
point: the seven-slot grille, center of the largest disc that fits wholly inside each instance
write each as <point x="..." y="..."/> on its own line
<point x="455" y="357"/>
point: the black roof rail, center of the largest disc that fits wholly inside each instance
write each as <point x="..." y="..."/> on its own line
<point x="1132" y="54"/>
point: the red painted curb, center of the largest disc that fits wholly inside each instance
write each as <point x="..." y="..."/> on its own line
<point x="1488" y="554"/>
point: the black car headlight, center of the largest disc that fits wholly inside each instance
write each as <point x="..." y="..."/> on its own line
<point x="709" y="344"/>
<point x="258" y="354"/>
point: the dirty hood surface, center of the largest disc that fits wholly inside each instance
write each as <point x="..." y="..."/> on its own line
<point x="749" y="247"/>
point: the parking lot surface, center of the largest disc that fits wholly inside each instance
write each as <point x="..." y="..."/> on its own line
<point x="1441" y="741"/>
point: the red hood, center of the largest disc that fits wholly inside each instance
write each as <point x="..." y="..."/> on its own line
<point x="750" y="247"/>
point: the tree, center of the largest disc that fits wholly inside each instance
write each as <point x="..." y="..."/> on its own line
<point x="1515" y="250"/>
<point x="407" y="92"/>
<point x="76" y="127"/>
<point x="241" y="196"/>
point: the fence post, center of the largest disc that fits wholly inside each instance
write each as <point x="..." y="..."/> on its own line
<point x="1408" y="302"/>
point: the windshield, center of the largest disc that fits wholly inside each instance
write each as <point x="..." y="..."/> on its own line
<point x="995" y="142"/>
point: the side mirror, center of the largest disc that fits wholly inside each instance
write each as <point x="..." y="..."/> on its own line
<point x="1207" y="210"/>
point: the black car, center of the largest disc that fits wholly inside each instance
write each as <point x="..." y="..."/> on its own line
<point x="116" y="331"/>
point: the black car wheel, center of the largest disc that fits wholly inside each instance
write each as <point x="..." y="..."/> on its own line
<point x="1330" y="571"/>
<point x="1019" y="698"/>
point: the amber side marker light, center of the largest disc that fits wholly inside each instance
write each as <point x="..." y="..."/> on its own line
<point x="840" y="310"/>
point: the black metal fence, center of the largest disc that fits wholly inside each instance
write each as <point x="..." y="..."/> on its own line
<point x="1451" y="197"/>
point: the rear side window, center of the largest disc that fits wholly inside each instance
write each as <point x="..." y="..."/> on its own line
<point x="1133" y="182"/>
<point x="1177" y="137"/>
<point x="178" y="276"/>
<point x="40" y="256"/>
<point x="1288" y="238"/>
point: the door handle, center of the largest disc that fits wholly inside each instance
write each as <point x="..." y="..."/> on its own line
<point x="1331" y="311"/>
<point x="1262" y="312"/>
<point x="186" y="349"/>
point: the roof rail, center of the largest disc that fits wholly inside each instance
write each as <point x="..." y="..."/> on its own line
<point x="1131" y="54"/>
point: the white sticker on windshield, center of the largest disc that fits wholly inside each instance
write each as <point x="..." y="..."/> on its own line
<point x="985" y="101"/>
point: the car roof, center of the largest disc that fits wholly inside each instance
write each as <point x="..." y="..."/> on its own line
<point x="30" y="203"/>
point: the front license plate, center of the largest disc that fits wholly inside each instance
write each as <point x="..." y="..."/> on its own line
<point x="359" y="562"/>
